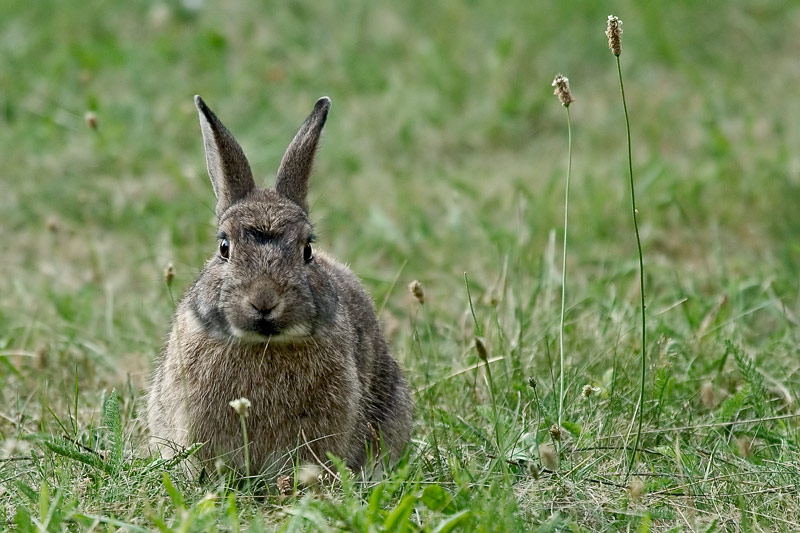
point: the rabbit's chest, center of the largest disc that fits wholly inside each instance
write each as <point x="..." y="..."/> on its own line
<point x="289" y="404"/>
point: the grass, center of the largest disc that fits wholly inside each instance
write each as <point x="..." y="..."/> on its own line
<point x="443" y="154"/>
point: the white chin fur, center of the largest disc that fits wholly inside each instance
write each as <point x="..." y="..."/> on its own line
<point x="292" y="333"/>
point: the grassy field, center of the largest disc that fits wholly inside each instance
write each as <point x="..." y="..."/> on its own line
<point x="445" y="153"/>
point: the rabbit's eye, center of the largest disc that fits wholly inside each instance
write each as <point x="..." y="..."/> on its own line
<point x="307" y="254"/>
<point x="224" y="249"/>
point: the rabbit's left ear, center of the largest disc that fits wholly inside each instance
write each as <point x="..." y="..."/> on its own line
<point x="228" y="167"/>
<point x="295" y="169"/>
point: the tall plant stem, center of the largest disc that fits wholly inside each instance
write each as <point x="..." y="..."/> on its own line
<point x="243" y="423"/>
<point x="640" y="405"/>
<point x="564" y="269"/>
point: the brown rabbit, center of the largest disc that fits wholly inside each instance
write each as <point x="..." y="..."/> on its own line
<point x="274" y="320"/>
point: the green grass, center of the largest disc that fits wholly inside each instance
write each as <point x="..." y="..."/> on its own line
<point x="443" y="154"/>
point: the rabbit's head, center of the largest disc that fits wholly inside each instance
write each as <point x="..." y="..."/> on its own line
<point x="263" y="283"/>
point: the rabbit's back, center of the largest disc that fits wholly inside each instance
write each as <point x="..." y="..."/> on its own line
<point x="386" y="405"/>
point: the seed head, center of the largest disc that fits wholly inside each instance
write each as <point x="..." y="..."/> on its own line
<point x="42" y="355"/>
<point x="81" y="487"/>
<point x="588" y="390"/>
<point x="494" y="298"/>
<point x="636" y="489"/>
<point x="532" y="383"/>
<point x="209" y="500"/>
<point x="376" y="437"/>
<point x="169" y="274"/>
<point x="548" y="457"/>
<point x="91" y="119"/>
<point x="744" y="445"/>
<point x="241" y="406"/>
<point x="707" y="394"/>
<point x="309" y="475"/>
<point x="614" y="34"/>
<point x="561" y="83"/>
<point x="480" y="347"/>
<point x="555" y="432"/>
<point x="284" y="484"/>
<point x="415" y="288"/>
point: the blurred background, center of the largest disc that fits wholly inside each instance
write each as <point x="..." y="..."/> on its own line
<point x="445" y="152"/>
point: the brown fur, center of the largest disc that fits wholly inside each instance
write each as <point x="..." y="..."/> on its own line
<point x="297" y="337"/>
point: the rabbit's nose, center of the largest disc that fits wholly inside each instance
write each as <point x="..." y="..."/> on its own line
<point x="264" y="306"/>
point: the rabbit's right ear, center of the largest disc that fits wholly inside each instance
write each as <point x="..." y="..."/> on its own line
<point x="228" y="167"/>
<point x="295" y="169"/>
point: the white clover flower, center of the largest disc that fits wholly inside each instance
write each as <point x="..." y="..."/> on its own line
<point x="241" y="406"/>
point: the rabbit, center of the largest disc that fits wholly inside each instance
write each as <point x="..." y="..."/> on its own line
<point x="276" y="320"/>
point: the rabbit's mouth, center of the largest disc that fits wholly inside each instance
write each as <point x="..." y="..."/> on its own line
<point x="266" y="330"/>
<point x="257" y="331"/>
<point x="266" y="327"/>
